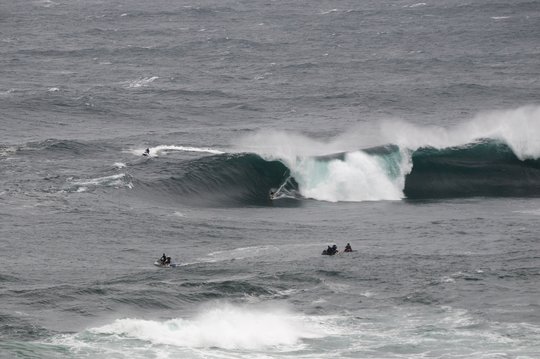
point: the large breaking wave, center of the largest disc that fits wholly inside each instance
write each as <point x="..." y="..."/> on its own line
<point x="484" y="168"/>
<point x="494" y="155"/>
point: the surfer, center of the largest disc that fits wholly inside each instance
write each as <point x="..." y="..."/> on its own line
<point x="348" y="248"/>
<point x="146" y="152"/>
<point x="163" y="259"/>
<point x="272" y="194"/>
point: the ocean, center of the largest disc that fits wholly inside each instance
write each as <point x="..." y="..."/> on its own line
<point x="274" y="129"/>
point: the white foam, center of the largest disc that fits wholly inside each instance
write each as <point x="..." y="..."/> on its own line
<point x="535" y="212"/>
<point x="100" y="180"/>
<point x="223" y="326"/>
<point x="328" y="11"/>
<point x="359" y="177"/>
<point x="7" y="92"/>
<point x="243" y="252"/>
<point x="119" y="165"/>
<point x="144" y="81"/>
<point x="117" y="181"/>
<point x="48" y="3"/>
<point x="164" y="149"/>
<point x="6" y="151"/>
<point x="53" y="89"/>
<point x="417" y="5"/>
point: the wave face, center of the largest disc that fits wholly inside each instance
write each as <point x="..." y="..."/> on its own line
<point x="228" y="179"/>
<point x="486" y="168"/>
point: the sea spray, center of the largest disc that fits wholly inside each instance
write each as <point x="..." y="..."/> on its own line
<point x="518" y="128"/>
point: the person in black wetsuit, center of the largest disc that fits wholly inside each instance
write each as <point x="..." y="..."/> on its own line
<point x="348" y="248"/>
<point x="163" y="259"/>
<point x="330" y="251"/>
<point x="146" y="152"/>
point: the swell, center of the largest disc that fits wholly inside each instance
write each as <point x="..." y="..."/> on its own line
<point x="54" y="146"/>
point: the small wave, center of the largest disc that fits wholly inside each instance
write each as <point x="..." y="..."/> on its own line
<point x="500" y="17"/>
<point x="328" y="11"/>
<point x="7" y="150"/>
<point x="116" y="181"/>
<point x="59" y="146"/>
<point x="48" y="3"/>
<point x="7" y="92"/>
<point x="142" y="82"/>
<point x="244" y="252"/>
<point x="416" y="5"/>
<point x="534" y="212"/>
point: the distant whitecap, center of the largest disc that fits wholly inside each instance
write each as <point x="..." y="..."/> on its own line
<point x="416" y="5"/>
<point x="142" y="82"/>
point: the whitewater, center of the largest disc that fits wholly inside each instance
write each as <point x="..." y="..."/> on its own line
<point x="241" y="139"/>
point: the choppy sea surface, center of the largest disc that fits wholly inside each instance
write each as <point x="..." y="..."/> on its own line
<point x="410" y="130"/>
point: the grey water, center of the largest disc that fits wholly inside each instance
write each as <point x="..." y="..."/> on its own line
<point x="341" y="106"/>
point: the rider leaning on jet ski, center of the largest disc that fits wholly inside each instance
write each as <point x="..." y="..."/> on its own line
<point x="164" y="260"/>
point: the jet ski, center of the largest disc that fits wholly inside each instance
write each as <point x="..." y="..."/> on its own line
<point x="165" y="262"/>
<point x="165" y="265"/>
<point x="330" y="251"/>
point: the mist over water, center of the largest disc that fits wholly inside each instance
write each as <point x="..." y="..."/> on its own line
<point x="274" y="130"/>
